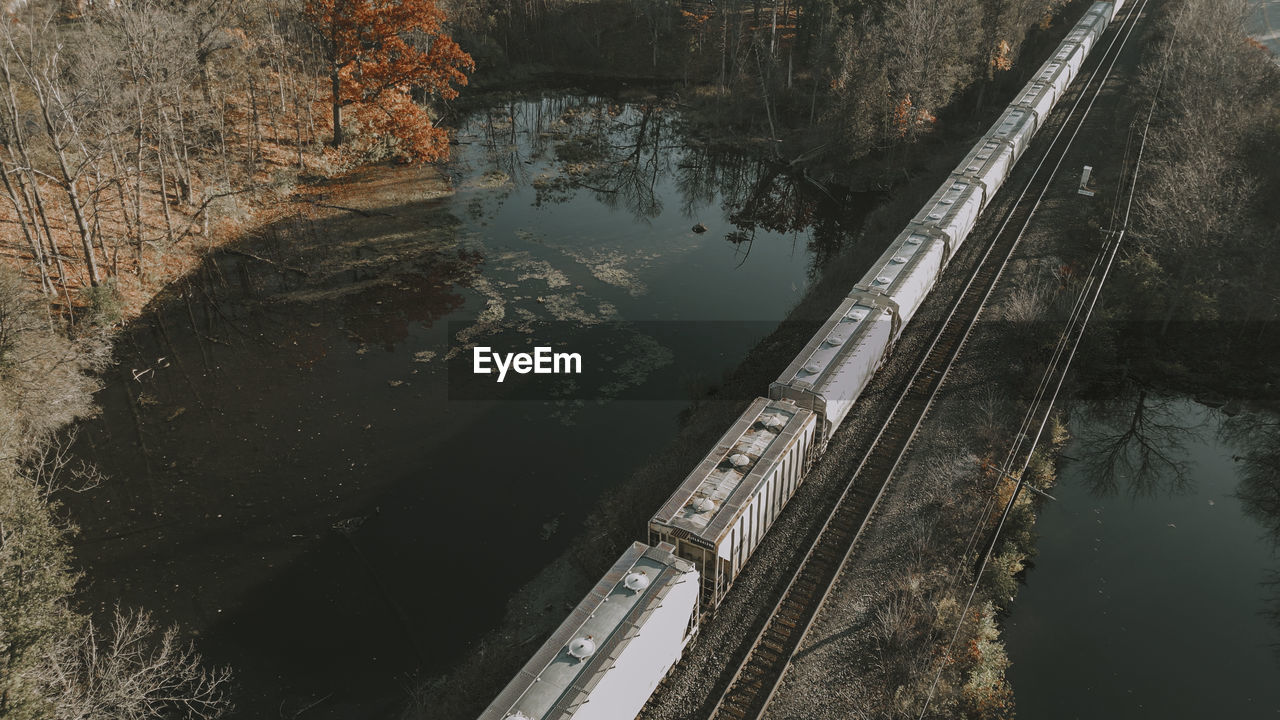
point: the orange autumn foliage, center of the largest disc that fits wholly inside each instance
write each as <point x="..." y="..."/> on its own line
<point x="376" y="57"/>
<point x="907" y="117"/>
<point x="902" y="114"/>
<point x="1001" y="59"/>
<point x="694" y="20"/>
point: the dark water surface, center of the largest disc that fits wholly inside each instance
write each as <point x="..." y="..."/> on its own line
<point x="288" y="475"/>
<point x="1154" y="594"/>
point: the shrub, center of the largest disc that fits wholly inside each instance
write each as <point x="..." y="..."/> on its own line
<point x="103" y="303"/>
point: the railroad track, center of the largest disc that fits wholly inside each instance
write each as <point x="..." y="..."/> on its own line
<point x="760" y="672"/>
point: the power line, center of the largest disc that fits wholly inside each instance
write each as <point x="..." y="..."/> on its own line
<point x="1115" y="242"/>
<point x="1059" y="348"/>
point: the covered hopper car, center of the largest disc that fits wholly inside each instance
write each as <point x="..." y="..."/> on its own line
<point x="615" y="647"/>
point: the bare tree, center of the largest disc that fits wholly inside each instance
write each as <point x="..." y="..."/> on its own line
<point x="56" y="469"/>
<point x="132" y="671"/>
<point x="36" y="49"/>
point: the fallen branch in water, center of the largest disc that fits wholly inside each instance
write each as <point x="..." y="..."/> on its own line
<point x="358" y="211"/>
<point x="269" y="261"/>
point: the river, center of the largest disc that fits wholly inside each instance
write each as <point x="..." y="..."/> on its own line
<point x="1156" y="590"/>
<point x="293" y="475"/>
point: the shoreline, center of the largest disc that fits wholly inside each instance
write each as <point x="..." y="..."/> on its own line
<point x="565" y="578"/>
<point x="258" y="228"/>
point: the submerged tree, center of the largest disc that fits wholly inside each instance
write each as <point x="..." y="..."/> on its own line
<point x="379" y="52"/>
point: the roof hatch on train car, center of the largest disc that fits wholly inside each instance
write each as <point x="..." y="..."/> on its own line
<point x="636" y="581"/>
<point x="828" y="376"/>
<point x="583" y="647"/>
<point x="607" y="641"/>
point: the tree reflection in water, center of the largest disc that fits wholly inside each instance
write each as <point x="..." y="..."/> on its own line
<point x="1136" y="442"/>
<point x="1257" y="435"/>
<point x="621" y="152"/>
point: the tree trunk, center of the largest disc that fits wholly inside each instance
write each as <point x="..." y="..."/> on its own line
<point x="254" y="128"/>
<point x="45" y="285"/>
<point x="77" y="211"/>
<point x="724" y="48"/>
<point x="337" y="106"/>
<point x="131" y="224"/>
<point x="164" y="193"/>
<point x="773" y="31"/>
<point x="137" y="181"/>
<point x="48" y="233"/>
<point x="188" y="194"/>
<point x="297" y="122"/>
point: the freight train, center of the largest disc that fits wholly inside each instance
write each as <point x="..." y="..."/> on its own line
<point x="613" y="650"/>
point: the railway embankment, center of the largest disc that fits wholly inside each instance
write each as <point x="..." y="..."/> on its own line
<point x="884" y="637"/>
<point x="682" y="697"/>
<point x="538" y="608"/>
<point x="692" y="689"/>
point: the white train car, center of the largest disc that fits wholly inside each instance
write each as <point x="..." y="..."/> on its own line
<point x="1061" y="69"/>
<point x="1015" y="127"/>
<point x="608" y="656"/>
<point x="1091" y="26"/>
<point x="721" y="511"/>
<point x="989" y="164"/>
<point x="1039" y="96"/>
<point x="907" y="270"/>
<point x="840" y="359"/>
<point x="953" y="210"/>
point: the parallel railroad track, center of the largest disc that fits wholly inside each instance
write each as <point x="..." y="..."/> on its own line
<point x="760" y="672"/>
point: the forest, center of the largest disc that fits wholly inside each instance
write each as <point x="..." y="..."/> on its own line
<point x="136" y="131"/>
<point x="140" y="135"/>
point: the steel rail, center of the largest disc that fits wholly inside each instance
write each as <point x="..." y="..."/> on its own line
<point x="759" y="675"/>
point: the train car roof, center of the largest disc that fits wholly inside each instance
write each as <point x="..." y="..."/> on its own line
<point x="905" y="252"/>
<point x="1033" y="91"/>
<point x="711" y="497"/>
<point x="981" y="158"/>
<point x="1010" y="122"/>
<point x="1097" y="17"/>
<point x="946" y="201"/>
<point x="818" y="366"/>
<point x="563" y="672"/>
